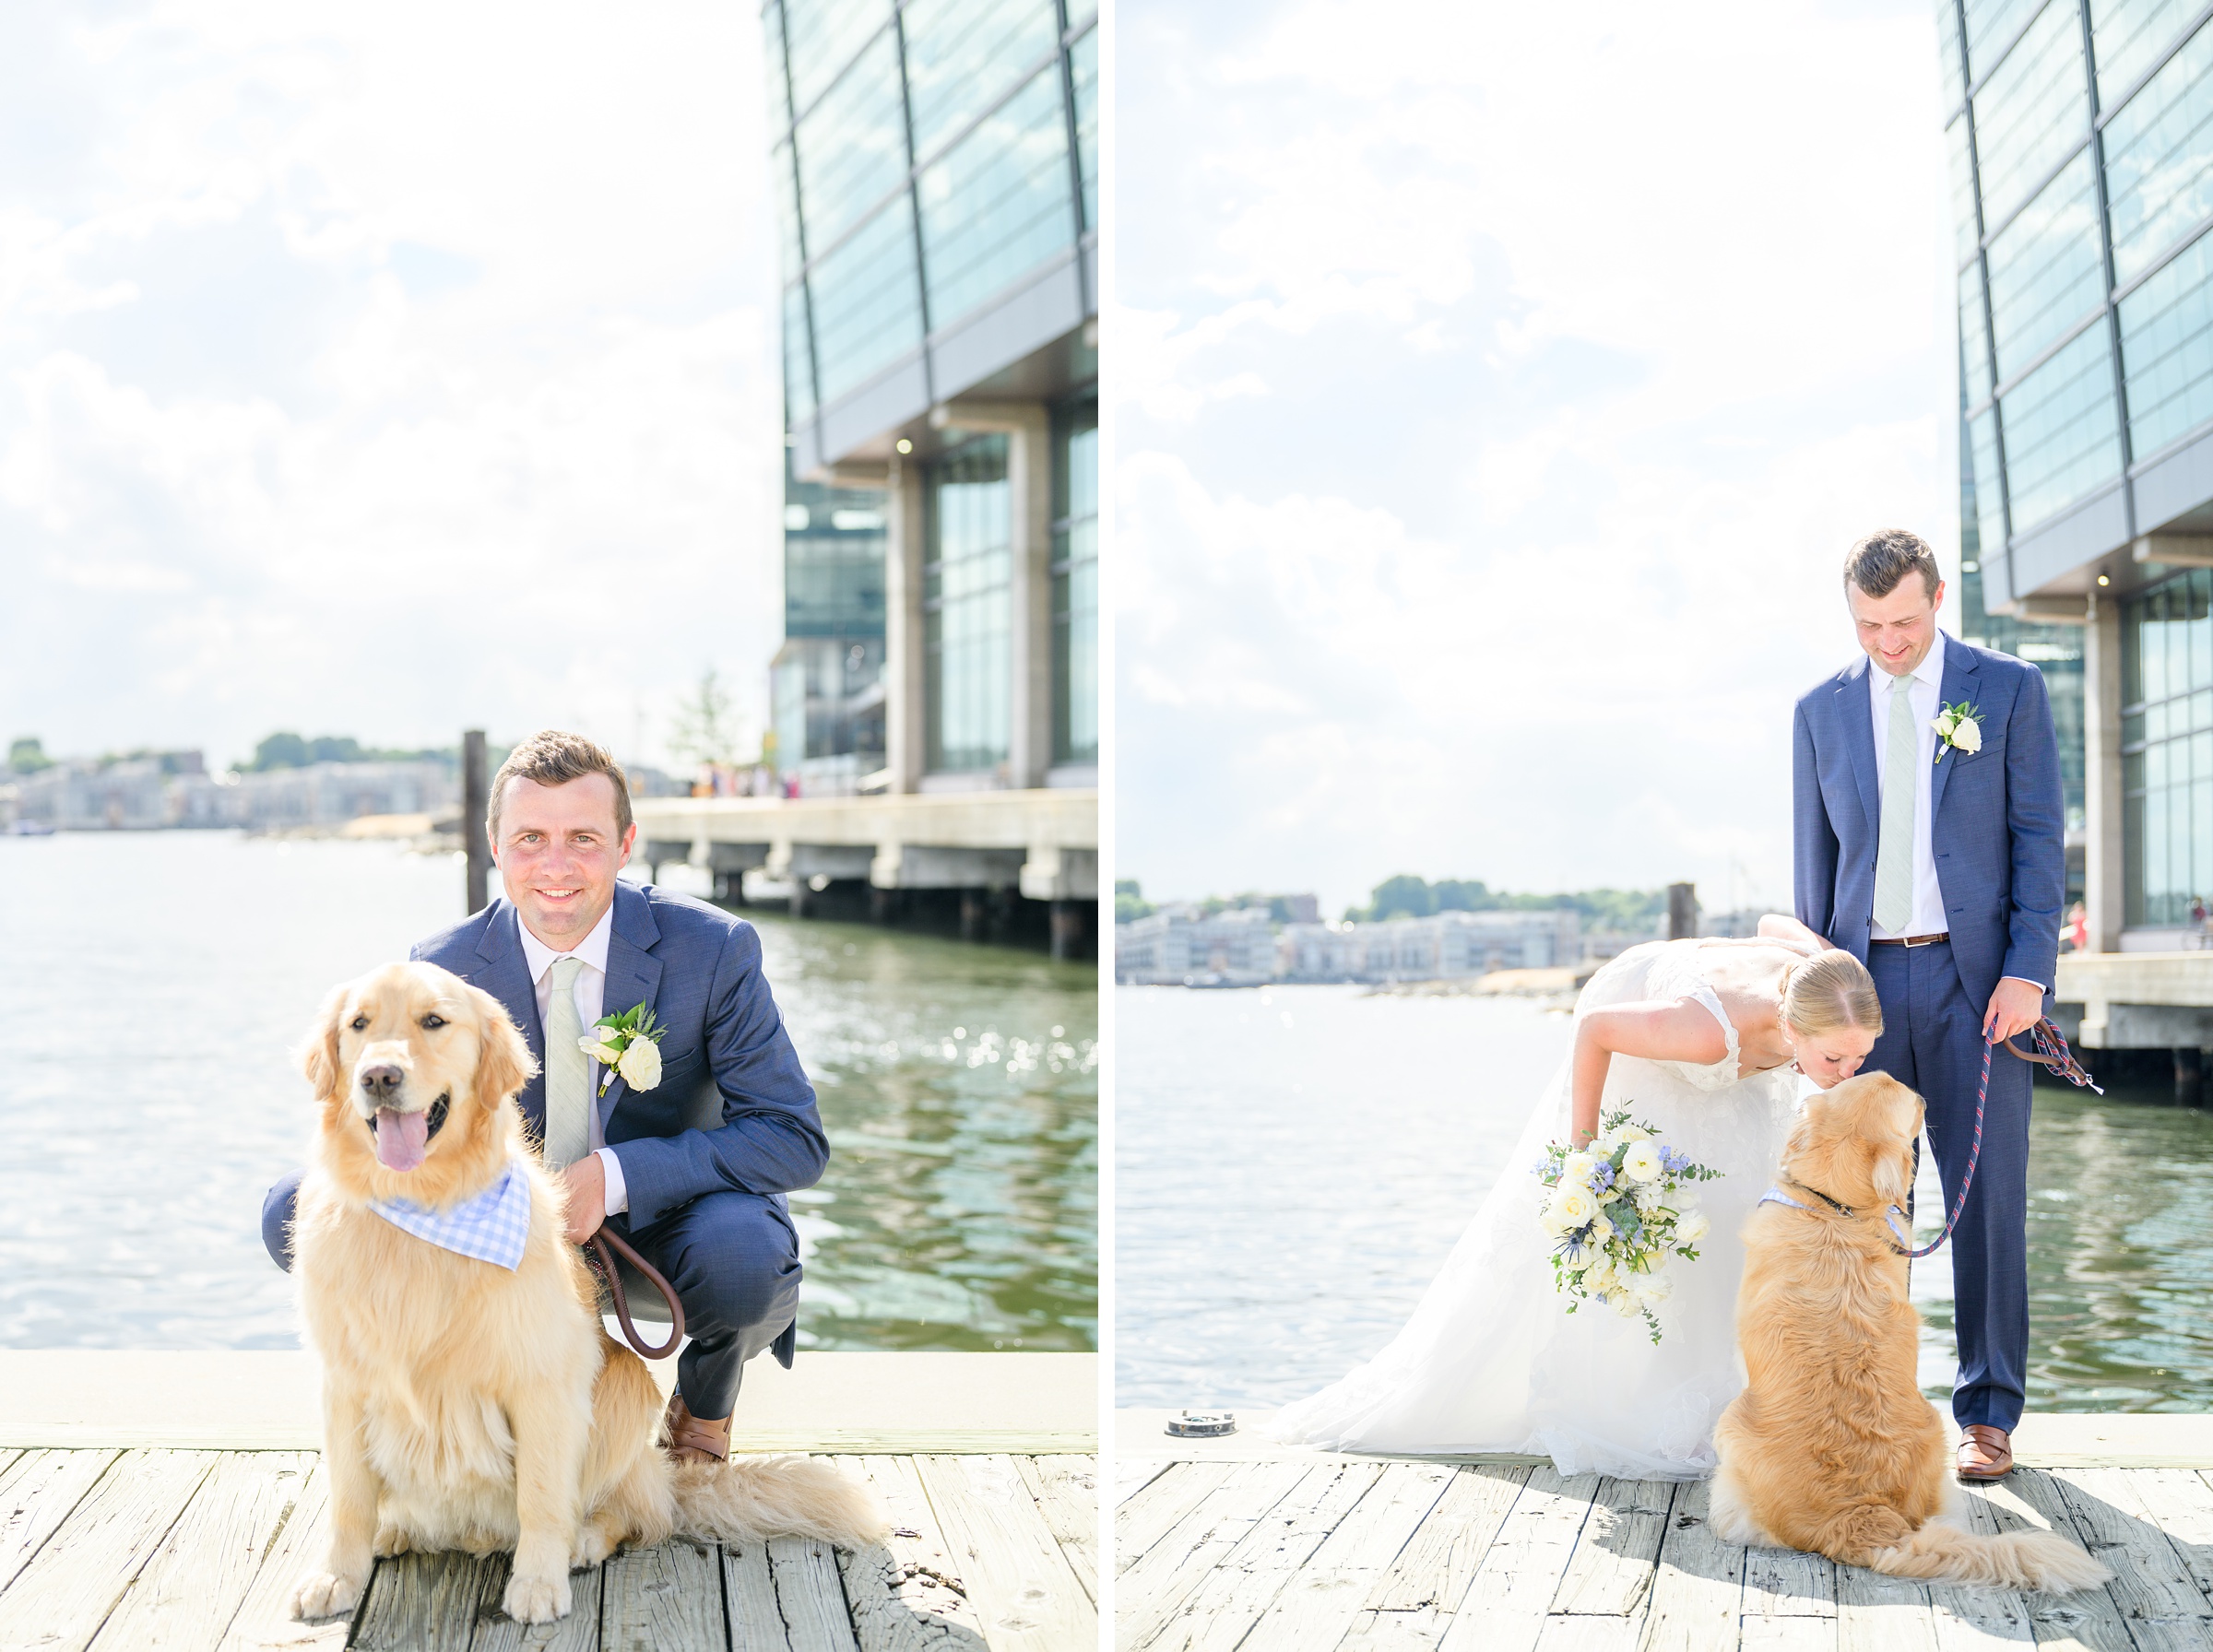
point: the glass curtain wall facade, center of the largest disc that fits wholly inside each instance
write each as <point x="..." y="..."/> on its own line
<point x="2080" y="134"/>
<point x="932" y="158"/>
<point x="967" y="605"/>
<point x="827" y="679"/>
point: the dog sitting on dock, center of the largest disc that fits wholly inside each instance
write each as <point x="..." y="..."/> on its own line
<point x="1831" y="1446"/>
<point x="472" y="1398"/>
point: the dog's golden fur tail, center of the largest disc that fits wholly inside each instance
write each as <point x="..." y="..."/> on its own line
<point x="2019" y="1560"/>
<point x="749" y="1499"/>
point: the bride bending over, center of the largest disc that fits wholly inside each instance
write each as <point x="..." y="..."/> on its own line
<point x="1697" y="1038"/>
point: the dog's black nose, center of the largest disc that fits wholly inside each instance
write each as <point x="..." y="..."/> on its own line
<point x="381" y="1081"/>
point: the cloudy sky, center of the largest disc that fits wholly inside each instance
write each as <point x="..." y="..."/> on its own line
<point x="1498" y="387"/>
<point x="381" y="370"/>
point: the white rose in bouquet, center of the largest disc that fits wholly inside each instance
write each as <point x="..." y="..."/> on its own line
<point x="1625" y="1304"/>
<point x="1571" y="1207"/>
<point x="1691" y="1227"/>
<point x="1631" y="1133"/>
<point x="1647" y="1199"/>
<point x="1642" y="1163"/>
<point x="1650" y="1289"/>
<point x="1577" y="1167"/>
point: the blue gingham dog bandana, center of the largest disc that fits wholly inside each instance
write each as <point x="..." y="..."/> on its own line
<point x="492" y="1227"/>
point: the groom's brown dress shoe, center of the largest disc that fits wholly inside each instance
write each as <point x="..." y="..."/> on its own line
<point x="1985" y="1453"/>
<point x="691" y="1440"/>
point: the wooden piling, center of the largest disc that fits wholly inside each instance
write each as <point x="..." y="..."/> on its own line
<point x="475" y="797"/>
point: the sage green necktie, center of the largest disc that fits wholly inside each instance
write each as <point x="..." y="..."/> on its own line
<point x="1901" y="788"/>
<point x="568" y="1075"/>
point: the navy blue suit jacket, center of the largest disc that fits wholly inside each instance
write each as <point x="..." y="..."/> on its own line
<point x="1998" y="827"/>
<point x="733" y="1108"/>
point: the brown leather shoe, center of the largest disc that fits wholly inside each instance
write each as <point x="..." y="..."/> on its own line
<point x="693" y="1439"/>
<point x="1985" y="1453"/>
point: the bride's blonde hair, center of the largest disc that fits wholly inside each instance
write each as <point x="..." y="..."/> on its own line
<point x="1829" y="993"/>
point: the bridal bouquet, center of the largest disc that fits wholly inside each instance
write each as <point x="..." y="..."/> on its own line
<point x="1620" y="1210"/>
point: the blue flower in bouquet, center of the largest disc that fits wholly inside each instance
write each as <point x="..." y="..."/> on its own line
<point x="1602" y="1178"/>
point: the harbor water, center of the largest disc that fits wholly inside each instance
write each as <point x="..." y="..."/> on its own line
<point x="1294" y="1163"/>
<point x="154" y="986"/>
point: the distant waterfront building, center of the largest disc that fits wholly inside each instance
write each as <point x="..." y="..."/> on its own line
<point x="1178" y="946"/>
<point x="2081" y="141"/>
<point x="1448" y="946"/>
<point x="174" y="790"/>
<point x="936" y="164"/>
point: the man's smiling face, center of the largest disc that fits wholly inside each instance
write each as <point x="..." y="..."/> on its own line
<point x="558" y="853"/>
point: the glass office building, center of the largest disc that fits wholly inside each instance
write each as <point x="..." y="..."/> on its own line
<point x="937" y="171"/>
<point x="2081" y="142"/>
<point x="826" y="682"/>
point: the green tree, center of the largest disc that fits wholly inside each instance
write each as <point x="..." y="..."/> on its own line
<point x="281" y="751"/>
<point x="28" y="756"/>
<point x="1129" y="903"/>
<point x="1404" y="895"/>
<point x="705" y="729"/>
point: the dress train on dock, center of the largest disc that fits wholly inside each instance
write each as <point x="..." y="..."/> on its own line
<point x="1491" y="1359"/>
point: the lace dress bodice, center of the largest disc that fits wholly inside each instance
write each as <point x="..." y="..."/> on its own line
<point x="1675" y="975"/>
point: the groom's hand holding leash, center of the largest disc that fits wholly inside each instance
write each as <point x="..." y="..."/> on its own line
<point x="587" y="1182"/>
<point x="2014" y="1008"/>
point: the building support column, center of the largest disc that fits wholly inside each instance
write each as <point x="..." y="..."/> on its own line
<point x="2103" y="850"/>
<point x="1028" y="428"/>
<point x="905" y="748"/>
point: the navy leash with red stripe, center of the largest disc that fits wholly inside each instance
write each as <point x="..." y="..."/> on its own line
<point x="2051" y="1052"/>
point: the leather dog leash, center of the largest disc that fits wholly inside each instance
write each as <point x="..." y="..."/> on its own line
<point x="598" y="1242"/>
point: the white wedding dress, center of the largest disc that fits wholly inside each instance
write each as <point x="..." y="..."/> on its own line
<point x="1491" y="1360"/>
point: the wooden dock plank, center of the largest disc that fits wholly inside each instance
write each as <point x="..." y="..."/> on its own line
<point x="907" y="1593"/>
<point x="1610" y="1574"/>
<point x="1133" y="1474"/>
<point x="2181" y="1502"/>
<point x="1875" y="1613"/>
<point x="426" y="1602"/>
<point x="1156" y="1509"/>
<point x="1780" y="1632"/>
<point x="811" y="1596"/>
<point x="1506" y="1607"/>
<point x="1229" y="1600"/>
<point x="579" y="1631"/>
<point x="1699" y="1589"/>
<point x="192" y="1586"/>
<point x="665" y="1598"/>
<point x="1605" y="1632"/>
<point x="1414" y="1601"/>
<point x="749" y="1596"/>
<point x="1325" y="1596"/>
<point x="1024" y="1590"/>
<point x="62" y="1597"/>
<point x="265" y="1623"/>
<point x="2163" y="1604"/>
<point x="1067" y="1492"/>
<point x="2089" y="1621"/>
<point x="1150" y="1591"/>
<point x="1788" y="1582"/>
<point x="38" y="1490"/>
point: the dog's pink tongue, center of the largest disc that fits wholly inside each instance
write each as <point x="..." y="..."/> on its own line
<point x="402" y="1138"/>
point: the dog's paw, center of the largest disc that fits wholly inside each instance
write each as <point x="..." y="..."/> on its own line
<point x="321" y="1594"/>
<point x="593" y="1546"/>
<point x="537" y="1599"/>
<point x="390" y="1540"/>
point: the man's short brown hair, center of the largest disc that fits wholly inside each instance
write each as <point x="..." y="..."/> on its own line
<point x="550" y="757"/>
<point x="1879" y="561"/>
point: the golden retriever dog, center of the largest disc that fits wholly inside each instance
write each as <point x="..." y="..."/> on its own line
<point x="467" y="1406"/>
<point x="1831" y="1446"/>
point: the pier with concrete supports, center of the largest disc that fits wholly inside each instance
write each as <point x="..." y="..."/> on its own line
<point x="175" y="1499"/>
<point x="980" y="849"/>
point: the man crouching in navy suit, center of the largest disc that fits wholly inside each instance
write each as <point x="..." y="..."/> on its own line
<point x="572" y="942"/>
<point x="1930" y="844"/>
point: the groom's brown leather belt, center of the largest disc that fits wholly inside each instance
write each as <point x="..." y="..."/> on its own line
<point x="1908" y="940"/>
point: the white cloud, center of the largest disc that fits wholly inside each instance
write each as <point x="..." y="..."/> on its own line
<point x="384" y="371"/>
<point x="1590" y="339"/>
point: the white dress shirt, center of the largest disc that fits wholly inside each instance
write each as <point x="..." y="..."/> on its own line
<point x="1923" y="696"/>
<point x="590" y="991"/>
<point x="1928" y="683"/>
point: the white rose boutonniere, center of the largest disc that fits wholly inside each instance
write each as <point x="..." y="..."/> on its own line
<point x="1958" y="729"/>
<point x="627" y="1044"/>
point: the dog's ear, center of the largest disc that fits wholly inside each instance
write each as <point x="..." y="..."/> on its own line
<point x="1892" y="1170"/>
<point x="319" y="1054"/>
<point x="504" y="1063"/>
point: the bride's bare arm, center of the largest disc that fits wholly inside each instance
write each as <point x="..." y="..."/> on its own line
<point x="1669" y="1030"/>
<point x="1776" y="926"/>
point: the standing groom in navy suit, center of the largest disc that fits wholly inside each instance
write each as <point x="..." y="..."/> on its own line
<point x="695" y="1169"/>
<point x="1941" y="864"/>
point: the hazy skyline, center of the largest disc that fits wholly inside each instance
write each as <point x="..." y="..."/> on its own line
<point x="1498" y="390"/>
<point x="382" y="372"/>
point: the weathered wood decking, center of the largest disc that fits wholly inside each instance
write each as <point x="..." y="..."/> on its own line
<point x="127" y="1550"/>
<point x="1316" y="1552"/>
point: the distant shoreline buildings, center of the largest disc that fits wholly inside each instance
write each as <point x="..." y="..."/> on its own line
<point x="1182" y="946"/>
<point x="173" y="789"/>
